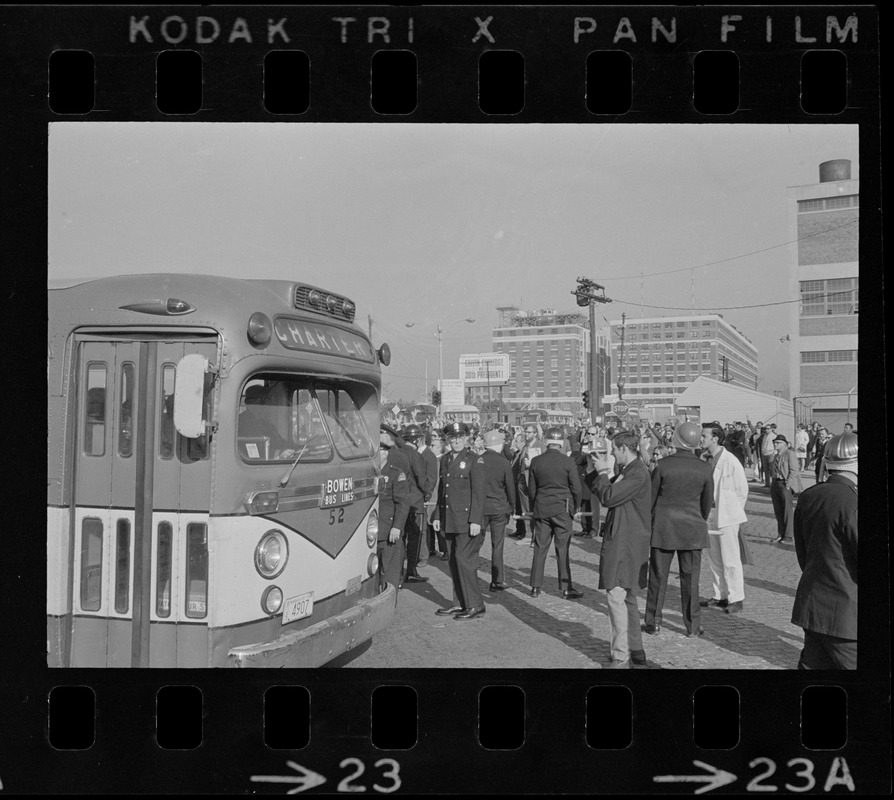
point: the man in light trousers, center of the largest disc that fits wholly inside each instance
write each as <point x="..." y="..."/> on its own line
<point x="730" y="494"/>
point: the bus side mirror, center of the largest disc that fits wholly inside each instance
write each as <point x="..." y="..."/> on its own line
<point x="384" y="354"/>
<point x="189" y="395"/>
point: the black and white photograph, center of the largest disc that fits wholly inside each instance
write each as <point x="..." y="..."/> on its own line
<point x="453" y="396"/>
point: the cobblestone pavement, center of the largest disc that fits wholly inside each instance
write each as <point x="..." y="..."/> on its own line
<point x="549" y="631"/>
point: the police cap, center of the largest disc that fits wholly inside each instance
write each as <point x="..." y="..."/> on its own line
<point x="456" y="429"/>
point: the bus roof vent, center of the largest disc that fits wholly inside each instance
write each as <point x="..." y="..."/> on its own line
<point x="311" y="298"/>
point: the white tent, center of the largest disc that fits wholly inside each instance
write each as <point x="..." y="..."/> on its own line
<point x="727" y="402"/>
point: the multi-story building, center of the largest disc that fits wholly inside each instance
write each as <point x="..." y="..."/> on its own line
<point x="823" y="218"/>
<point x="549" y="355"/>
<point x="664" y="355"/>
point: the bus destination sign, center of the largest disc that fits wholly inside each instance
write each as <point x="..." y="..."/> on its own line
<point x="315" y="337"/>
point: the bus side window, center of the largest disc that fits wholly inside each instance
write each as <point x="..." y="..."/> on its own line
<point x="122" y="566"/>
<point x="95" y="417"/>
<point x="167" y="435"/>
<point x="163" y="570"/>
<point x="91" y="564"/>
<point x="196" y="570"/>
<point x="125" y="411"/>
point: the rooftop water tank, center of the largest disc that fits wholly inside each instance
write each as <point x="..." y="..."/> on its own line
<point x="837" y="170"/>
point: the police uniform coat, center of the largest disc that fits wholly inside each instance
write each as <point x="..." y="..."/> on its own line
<point x="455" y="491"/>
<point x="826" y="544"/>
<point x="682" y="496"/>
<point x="416" y="474"/>
<point x="394" y="498"/>
<point x="493" y="487"/>
<point x="624" y="559"/>
<point x="554" y="484"/>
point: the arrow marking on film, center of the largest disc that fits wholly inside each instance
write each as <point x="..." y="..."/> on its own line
<point x="715" y="780"/>
<point x="307" y="779"/>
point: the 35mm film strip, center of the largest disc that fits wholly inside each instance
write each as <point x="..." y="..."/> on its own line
<point x="299" y="113"/>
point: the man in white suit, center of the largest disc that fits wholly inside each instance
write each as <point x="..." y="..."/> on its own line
<point x="730" y="494"/>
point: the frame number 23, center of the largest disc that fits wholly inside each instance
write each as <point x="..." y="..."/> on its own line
<point x="390" y="776"/>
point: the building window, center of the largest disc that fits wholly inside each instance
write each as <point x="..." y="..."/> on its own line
<point x="826" y="297"/>
<point x="706" y="323"/>
<point x="829" y="203"/>
<point x="829" y="356"/>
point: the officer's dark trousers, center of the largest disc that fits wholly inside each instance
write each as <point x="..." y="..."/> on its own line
<point x="559" y="529"/>
<point x="391" y="559"/>
<point x="690" y="562"/>
<point x="462" y="553"/>
<point x="783" y="508"/>
<point x="827" y="652"/>
<point x="414" y="538"/>
<point x="497" y="524"/>
<point x="522" y="506"/>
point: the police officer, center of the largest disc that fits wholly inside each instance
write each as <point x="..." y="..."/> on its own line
<point x="452" y="515"/>
<point x="555" y="493"/>
<point x="416" y="480"/>
<point x="493" y="500"/>
<point x="394" y="505"/>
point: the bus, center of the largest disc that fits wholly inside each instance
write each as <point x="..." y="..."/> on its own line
<point x="548" y="418"/>
<point x="468" y="414"/>
<point x="422" y="414"/>
<point x="213" y="474"/>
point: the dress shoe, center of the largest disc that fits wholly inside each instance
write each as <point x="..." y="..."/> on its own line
<point x="416" y="579"/>
<point x="735" y="608"/>
<point x="713" y="602"/>
<point x="471" y="613"/>
<point x="535" y="591"/>
<point x="615" y="664"/>
<point x="651" y="629"/>
<point x="696" y="633"/>
<point x="448" y="612"/>
<point x="638" y="657"/>
<point x="572" y="593"/>
<point x="499" y="586"/>
<point x="584" y="534"/>
<point x="516" y="536"/>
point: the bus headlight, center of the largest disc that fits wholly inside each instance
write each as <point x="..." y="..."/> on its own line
<point x="372" y="564"/>
<point x="372" y="529"/>
<point x="271" y="600"/>
<point x="271" y="554"/>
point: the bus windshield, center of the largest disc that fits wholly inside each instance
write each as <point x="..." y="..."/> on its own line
<point x="283" y="417"/>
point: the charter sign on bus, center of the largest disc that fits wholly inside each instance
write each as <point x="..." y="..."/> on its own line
<point x="484" y="369"/>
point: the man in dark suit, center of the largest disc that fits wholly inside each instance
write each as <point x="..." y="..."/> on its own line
<point x="826" y="545"/>
<point x="493" y="500"/>
<point x="624" y="560"/>
<point x="417" y="482"/>
<point x="394" y="505"/>
<point x="785" y="474"/>
<point x="682" y="496"/>
<point x="555" y="494"/>
<point x="428" y="483"/>
<point x="589" y="502"/>
<point x="452" y="515"/>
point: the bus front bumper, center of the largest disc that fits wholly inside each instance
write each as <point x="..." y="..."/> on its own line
<point x="322" y="642"/>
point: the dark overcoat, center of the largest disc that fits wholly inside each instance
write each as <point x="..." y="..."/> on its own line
<point x="416" y="474"/>
<point x="554" y="484"/>
<point x="455" y="491"/>
<point x="682" y="496"/>
<point x="394" y="498"/>
<point x="429" y="480"/>
<point x="624" y="559"/>
<point x="581" y="461"/>
<point x="493" y="486"/>
<point x="826" y="545"/>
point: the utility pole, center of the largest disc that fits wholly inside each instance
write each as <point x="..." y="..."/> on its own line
<point x="586" y="296"/>
<point x="621" y="365"/>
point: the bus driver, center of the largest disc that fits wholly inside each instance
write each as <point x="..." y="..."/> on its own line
<point x="254" y="424"/>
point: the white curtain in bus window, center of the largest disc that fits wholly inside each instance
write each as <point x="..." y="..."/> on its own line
<point x="91" y="564"/>
<point x="122" y="566"/>
<point x="95" y="424"/>
<point x="196" y="570"/>
<point x="167" y="435"/>
<point x="163" y="570"/>
<point x="345" y="423"/>
<point x="125" y="411"/>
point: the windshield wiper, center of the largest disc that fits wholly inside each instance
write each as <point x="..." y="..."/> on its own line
<point x="285" y="478"/>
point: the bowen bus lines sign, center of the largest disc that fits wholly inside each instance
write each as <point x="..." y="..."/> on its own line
<point x="481" y="369"/>
<point x="315" y="337"/>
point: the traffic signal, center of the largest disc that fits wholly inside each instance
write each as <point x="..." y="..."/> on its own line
<point x="436" y="398"/>
<point x="586" y="399"/>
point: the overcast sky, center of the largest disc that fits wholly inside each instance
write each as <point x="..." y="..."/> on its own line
<point x="434" y="223"/>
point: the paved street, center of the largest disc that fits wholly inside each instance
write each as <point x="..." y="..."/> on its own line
<point x="521" y="631"/>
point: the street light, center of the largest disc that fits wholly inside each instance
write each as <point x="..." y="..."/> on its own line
<point x="439" y="335"/>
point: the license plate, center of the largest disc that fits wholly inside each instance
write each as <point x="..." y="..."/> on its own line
<point x="298" y="607"/>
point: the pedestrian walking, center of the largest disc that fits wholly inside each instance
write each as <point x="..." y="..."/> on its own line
<point x="786" y="484"/>
<point x="624" y="558"/>
<point x="394" y="506"/>
<point x="493" y="499"/>
<point x="768" y="453"/>
<point x="452" y="514"/>
<point x="802" y="439"/>
<point x="825" y="531"/>
<point x="682" y="496"/>
<point x="555" y="494"/>
<point x="727" y="514"/>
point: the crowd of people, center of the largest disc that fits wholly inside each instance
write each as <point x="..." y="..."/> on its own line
<point x="667" y="490"/>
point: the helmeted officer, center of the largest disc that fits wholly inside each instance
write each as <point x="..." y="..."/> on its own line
<point x="555" y="494"/>
<point x="416" y="480"/>
<point x="493" y="500"/>
<point x="394" y="505"/>
<point x="452" y="515"/>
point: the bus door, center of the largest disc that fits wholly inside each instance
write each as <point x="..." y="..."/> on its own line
<point x="139" y="564"/>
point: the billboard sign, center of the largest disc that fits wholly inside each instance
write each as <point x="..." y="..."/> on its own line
<point x="453" y="392"/>
<point x="483" y="369"/>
